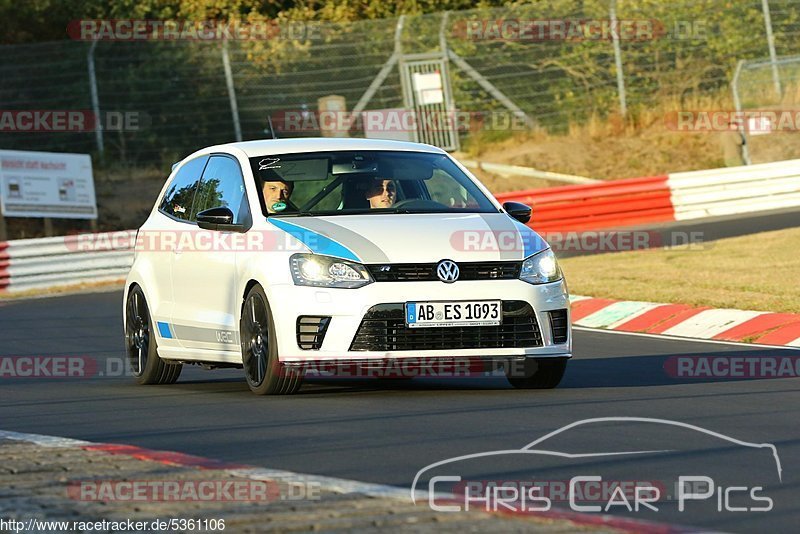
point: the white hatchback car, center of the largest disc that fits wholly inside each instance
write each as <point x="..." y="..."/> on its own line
<point x="278" y="255"/>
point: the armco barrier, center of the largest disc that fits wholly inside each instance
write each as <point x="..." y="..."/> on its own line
<point x="735" y="190"/>
<point x="603" y="205"/>
<point x="658" y="199"/>
<point x="54" y="261"/>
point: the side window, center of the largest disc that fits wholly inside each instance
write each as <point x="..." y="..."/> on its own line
<point x="222" y="186"/>
<point x="180" y="193"/>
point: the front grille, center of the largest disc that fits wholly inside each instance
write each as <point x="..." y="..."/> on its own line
<point x="311" y="331"/>
<point x="558" y="325"/>
<point x="383" y="328"/>
<point x="423" y="272"/>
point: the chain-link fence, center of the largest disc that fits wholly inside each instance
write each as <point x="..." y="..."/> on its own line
<point x="178" y="93"/>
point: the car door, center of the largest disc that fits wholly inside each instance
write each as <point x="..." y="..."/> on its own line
<point x="204" y="268"/>
<point x="158" y="238"/>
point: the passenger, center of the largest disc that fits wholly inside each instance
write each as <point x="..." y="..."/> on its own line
<point x="276" y="195"/>
<point x="381" y="193"/>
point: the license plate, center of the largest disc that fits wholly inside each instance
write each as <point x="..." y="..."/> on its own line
<point x="457" y="313"/>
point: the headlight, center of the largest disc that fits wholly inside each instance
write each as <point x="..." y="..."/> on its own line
<point x="325" y="271"/>
<point x="541" y="268"/>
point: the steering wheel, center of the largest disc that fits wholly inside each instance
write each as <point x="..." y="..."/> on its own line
<point x="419" y="203"/>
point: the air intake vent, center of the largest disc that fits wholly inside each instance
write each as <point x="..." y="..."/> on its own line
<point x="558" y="325"/>
<point x="311" y="331"/>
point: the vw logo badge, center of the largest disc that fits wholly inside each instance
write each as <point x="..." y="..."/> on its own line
<point x="447" y="271"/>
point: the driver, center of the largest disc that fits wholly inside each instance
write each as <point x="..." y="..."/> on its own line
<point x="276" y="195"/>
<point x="381" y="193"/>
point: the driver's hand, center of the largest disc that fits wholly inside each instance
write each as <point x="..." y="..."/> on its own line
<point x="457" y="203"/>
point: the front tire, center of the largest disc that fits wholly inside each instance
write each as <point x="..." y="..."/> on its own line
<point x="536" y="373"/>
<point x="141" y="344"/>
<point x="264" y="372"/>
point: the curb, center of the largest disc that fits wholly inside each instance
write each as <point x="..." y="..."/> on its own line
<point x="337" y="485"/>
<point x="682" y="321"/>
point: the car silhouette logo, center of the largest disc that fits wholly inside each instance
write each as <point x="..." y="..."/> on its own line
<point x="447" y="271"/>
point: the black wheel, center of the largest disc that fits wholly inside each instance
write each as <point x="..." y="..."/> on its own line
<point x="536" y="373"/>
<point x="265" y="374"/>
<point x="141" y="344"/>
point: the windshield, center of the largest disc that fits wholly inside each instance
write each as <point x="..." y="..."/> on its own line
<point x="333" y="183"/>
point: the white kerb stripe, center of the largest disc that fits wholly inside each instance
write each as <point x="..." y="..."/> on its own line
<point x="709" y="323"/>
<point x="634" y="315"/>
<point x="44" y="441"/>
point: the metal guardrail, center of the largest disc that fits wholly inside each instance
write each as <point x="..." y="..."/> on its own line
<point x="597" y="206"/>
<point x="658" y="199"/>
<point x="735" y="190"/>
<point x="54" y="261"/>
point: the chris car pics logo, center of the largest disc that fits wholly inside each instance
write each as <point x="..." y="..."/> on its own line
<point x="446" y="486"/>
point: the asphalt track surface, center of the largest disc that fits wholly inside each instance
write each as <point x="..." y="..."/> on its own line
<point x="384" y="432"/>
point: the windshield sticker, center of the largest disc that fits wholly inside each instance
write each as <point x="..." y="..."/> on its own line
<point x="268" y="163"/>
<point x="279" y="206"/>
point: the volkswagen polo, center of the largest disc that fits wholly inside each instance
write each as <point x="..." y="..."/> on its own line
<point x="277" y="255"/>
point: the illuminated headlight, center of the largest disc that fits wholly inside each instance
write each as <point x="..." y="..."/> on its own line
<point x="541" y="268"/>
<point x="325" y="271"/>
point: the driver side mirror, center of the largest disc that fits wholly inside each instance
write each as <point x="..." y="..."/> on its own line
<point x="220" y="218"/>
<point x="518" y="210"/>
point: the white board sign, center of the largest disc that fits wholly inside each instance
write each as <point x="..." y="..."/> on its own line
<point x="47" y="184"/>
<point x="428" y="88"/>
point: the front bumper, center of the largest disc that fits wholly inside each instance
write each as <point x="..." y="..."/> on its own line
<point x="347" y="308"/>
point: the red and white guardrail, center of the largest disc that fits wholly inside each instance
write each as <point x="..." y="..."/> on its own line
<point x="665" y="198"/>
<point x="58" y="261"/>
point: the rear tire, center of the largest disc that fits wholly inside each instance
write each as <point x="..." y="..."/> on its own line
<point x="141" y="344"/>
<point x="536" y="373"/>
<point x="264" y="372"/>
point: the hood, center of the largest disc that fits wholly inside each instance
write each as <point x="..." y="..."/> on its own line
<point x="415" y="238"/>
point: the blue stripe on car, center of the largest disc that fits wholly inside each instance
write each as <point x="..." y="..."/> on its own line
<point x="164" y="330"/>
<point x="316" y="242"/>
<point x="531" y="241"/>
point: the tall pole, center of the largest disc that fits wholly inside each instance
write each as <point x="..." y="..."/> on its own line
<point x="737" y="103"/>
<point x="98" y="125"/>
<point x="776" y="79"/>
<point x="623" y="104"/>
<point x="226" y="64"/>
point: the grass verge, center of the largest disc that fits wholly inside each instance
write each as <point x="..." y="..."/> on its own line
<point x="754" y="272"/>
